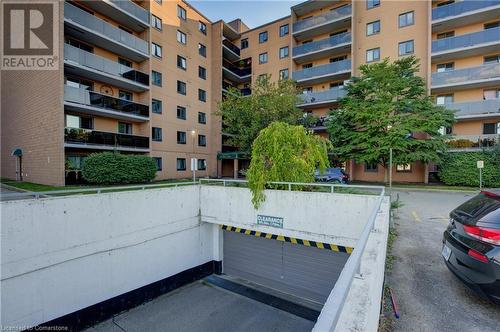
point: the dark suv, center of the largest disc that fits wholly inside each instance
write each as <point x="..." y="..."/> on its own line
<point x="335" y="175"/>
<point x="471" y="244"/>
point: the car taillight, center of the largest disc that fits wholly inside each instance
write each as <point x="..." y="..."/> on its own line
<point x="477" y="255"/>
<point x="488" y="235"/>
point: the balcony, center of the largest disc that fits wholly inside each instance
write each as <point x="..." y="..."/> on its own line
<point x="83" y="100"/>
<point x="125" y="12"/>
<point x="230" y="51"/>
<point x="476" y="109"/>
<point x="244" y="92"/>
<point x="323" y="73"/>
<point x="464" y="13"/>
<point x="321" y="98"/>
<point x="82" y="63"/>
<point x="338" y="44"/>
<point x="330" y="21"/>
<point x="472" y="142"/>
<point x="87" y="27"/>
<point x="235" y="73"/>
<point x="471" y="44"/>
<point x="483" y="76"/>
<point x="99" y="140"/>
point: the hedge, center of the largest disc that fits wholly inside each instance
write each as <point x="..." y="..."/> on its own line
<point x="115" y="168"/>
<point x="460" y="168"/>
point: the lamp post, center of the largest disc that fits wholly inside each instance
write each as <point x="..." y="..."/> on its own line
<point x="194" y="166"/>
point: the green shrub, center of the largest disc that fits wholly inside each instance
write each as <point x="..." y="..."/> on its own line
<point x="115" y="168"/>
<point x="459" y="168"/>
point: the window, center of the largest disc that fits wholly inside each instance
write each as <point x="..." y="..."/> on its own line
<point x="125" y="62"/>
<point x="125" y="95"/>
<point x="202" y="27"/>
<point x="159" y="163"/>
<point x="372" y="28"/>
<point x="262" y="78"/>
<point x="156" y="22"/>
<point x="155" y="78"/>
<point x="336" y="84"/>
<point x="338" y="33"/>
<point x="202" y="50"/>
<point x="125" y="128"/>
<point x="181" y="164"/>
<point x="492" y="25"/>
<point x="202" y="117"/>
<point x="76" y="162"/>
<point x="159" y="1"/>
<point x="307" y="65"/>
<point x="181" y="113"/>
<point x="244" y="43"/>
<point x="308" y="89"/>
<point x="202" y="95"/>
<point x="156" y="106"/>
<point x="492" y="59"/>
<point x="181" y="62"/>
<point x="262" y="37"/>
<point x="445" y="67"/>
<point x="181" y="137"/>
<point x="156" y="134"/>
<point x="444" y="99"/>
<point x="181" y="37"/>
<point x="156" y="50"/>
<point x="202" y="164"/>
<point x="406" y="19"/>
<point x="445" y="3"/>
<point x="491" y="128"/>
<point x="339" y="58"/>
<point x="371" y="167"/>
<point x="491" y="94"/>
<point x="373" y="55"/>
<point x="447" y="34"/>
<point x="181" y="12"/>
<point x="202" y="140"/>
<point x="75" y="121"/>
<point x="284" y="74"/>
<point x="263" y="58"/>
<point x="372" y="3"/>
<point x="202" y="72"/>
<point x="405" y="47"/>
<point x="80" y="45"/>
<point x="79" y="83"/>
<point x="181" y="87"/>
<point x="403" y="168"/>
<point x="284" y="52"/>
<point x="284" y="30"/>
<point x="445" y="130"/>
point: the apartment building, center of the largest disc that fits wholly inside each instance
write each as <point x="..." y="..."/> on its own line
<point x="147" y="76"/>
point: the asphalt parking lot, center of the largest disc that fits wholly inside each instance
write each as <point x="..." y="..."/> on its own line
<point x="201" y="306"/>
<point x="429" y="296"/>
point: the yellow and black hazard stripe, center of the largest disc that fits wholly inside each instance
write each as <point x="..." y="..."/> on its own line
<point x="321" y="245"/>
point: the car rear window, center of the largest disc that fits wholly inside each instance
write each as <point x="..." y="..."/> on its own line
<point x="481" y="208"/>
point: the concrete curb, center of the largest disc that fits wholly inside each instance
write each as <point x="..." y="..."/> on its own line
<point x="436" y="190"/>
<point x="14" y="188"/>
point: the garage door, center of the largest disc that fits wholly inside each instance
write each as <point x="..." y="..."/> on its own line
<point x="302" y="271"/>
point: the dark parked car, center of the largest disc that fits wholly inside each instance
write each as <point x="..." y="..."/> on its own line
<point x="336" y="175"/>
<point x="471" y="244"/>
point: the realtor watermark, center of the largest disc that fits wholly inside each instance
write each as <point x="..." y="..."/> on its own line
<point x="30" y="39"/>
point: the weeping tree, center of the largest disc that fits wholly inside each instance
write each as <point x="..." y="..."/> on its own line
<point x="285" y="153"/>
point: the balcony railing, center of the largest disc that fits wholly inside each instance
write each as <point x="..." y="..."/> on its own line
<point x="103" y="28"/>
<point x="133" y="9"/>
<point x="94" y="99"/>
<point x="323" y="44"/>
<point x="96" y="62"/>
<point x="244" y="92"/>
<point x="331" y="95"/>
<point x="473" y="141"/>
<point x="241" y="72"/>
<point x="330" y="16"/>
<point x="459" y="8"/>
<point x="475" y="108"/>
<point x="231" y="46"/>
<point x="323" y="70"/>
<point x="100" y="138"/>
<point x="465" y="41"/>
<point x="484" y="72"/>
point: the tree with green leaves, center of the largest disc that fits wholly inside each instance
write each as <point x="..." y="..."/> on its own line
<point x="243" y="117"/>
<point x="285" y="153"/>
<point x="382" y="107"/>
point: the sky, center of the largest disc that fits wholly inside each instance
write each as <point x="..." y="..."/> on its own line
<point x="252" y="12"/>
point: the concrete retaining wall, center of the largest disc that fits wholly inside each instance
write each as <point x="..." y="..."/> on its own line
<point x="63" y="254"/>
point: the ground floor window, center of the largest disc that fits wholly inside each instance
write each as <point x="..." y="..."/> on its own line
<point x="181" y="164"/>
<point x="202" y="164"/>
<point x="159" y="163"/>
<point x="75" y="162"/>
<point x="403" y="168"/>
<point x="371" y="167"/>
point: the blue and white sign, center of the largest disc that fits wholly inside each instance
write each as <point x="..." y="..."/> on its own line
<point x="270" y="221"/>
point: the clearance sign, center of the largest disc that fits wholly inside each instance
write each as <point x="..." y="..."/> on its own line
<point x="270" y="221"/>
